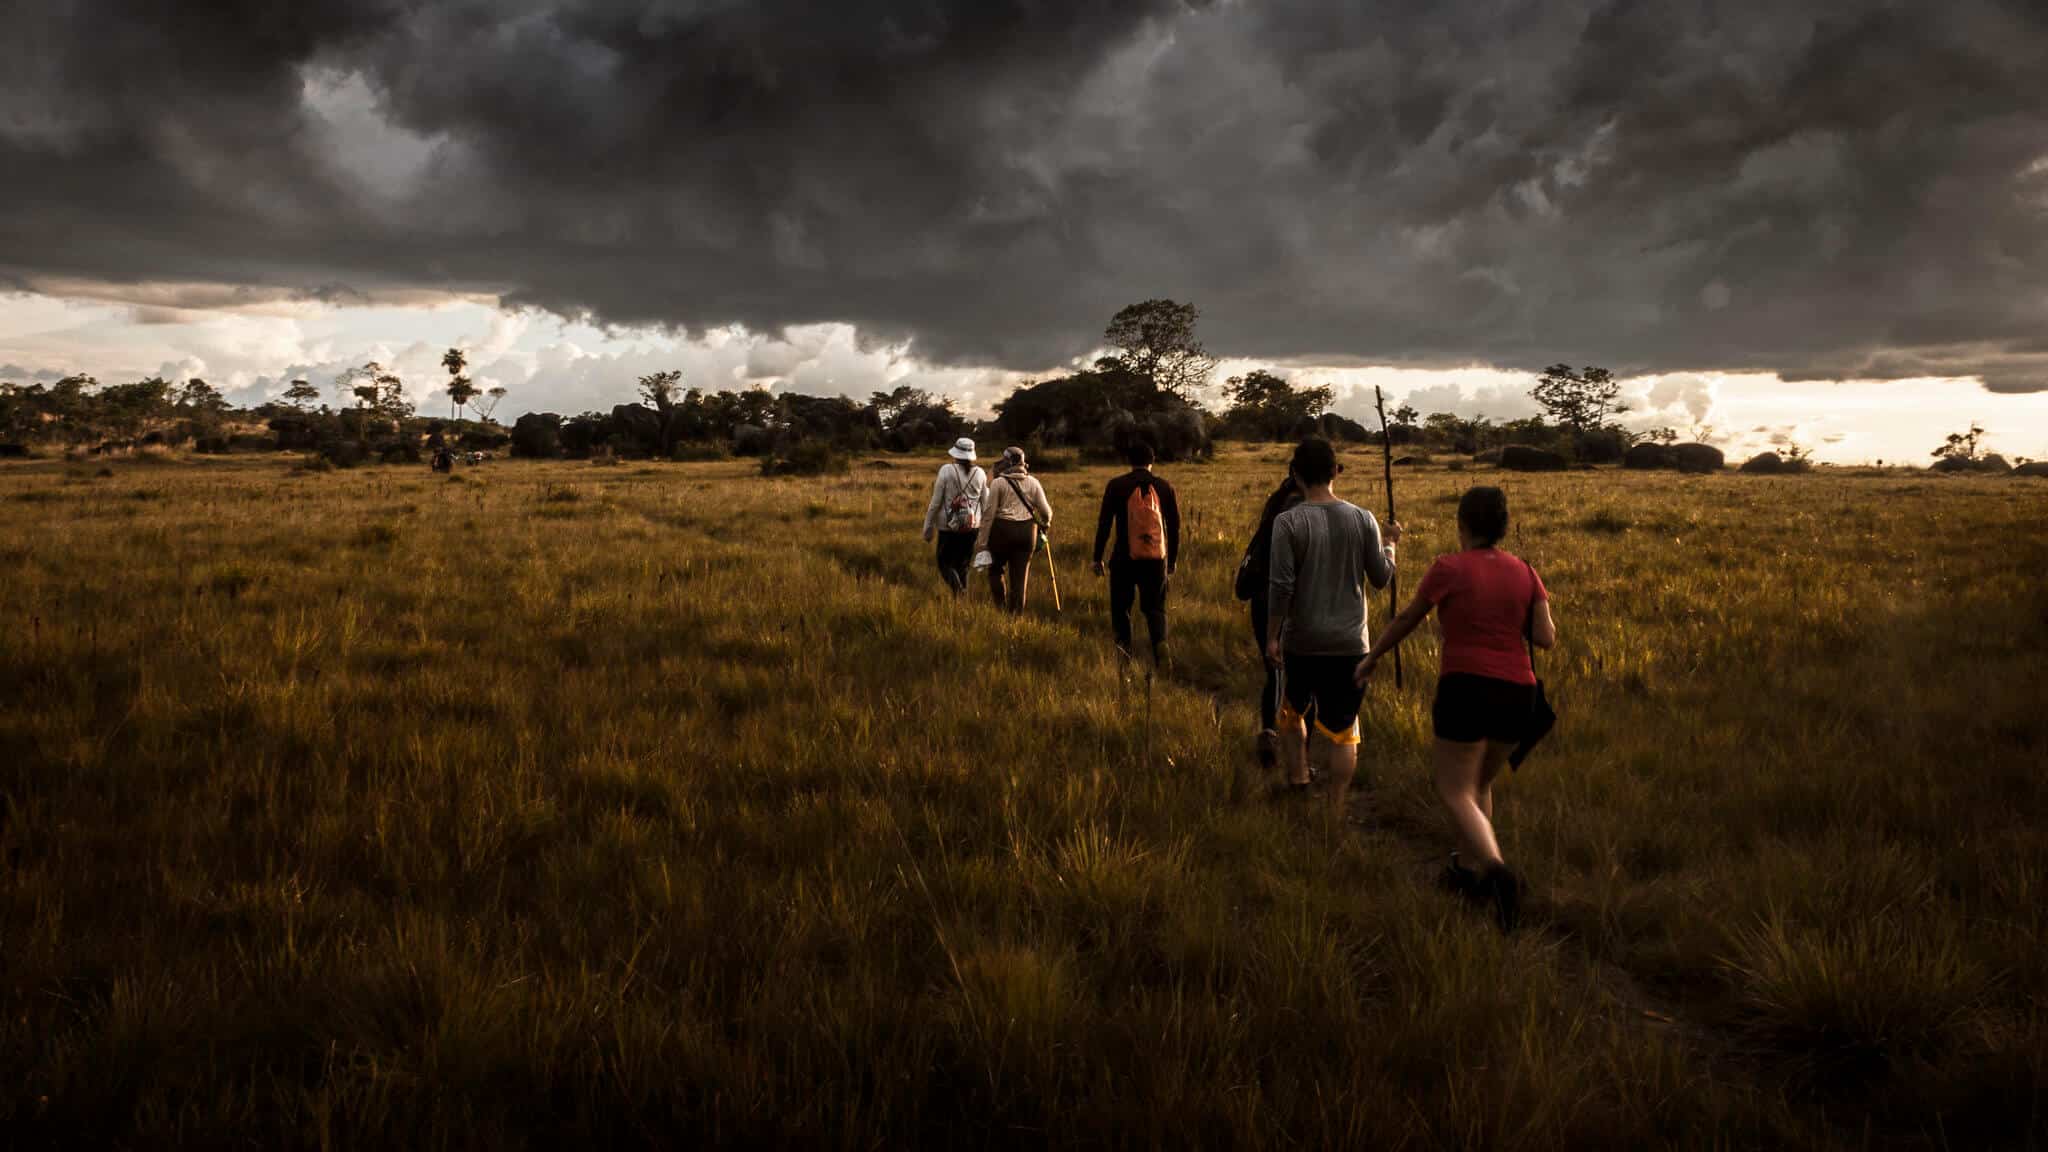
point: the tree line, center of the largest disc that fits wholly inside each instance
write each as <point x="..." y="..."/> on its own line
<point x="1150" y="383"/>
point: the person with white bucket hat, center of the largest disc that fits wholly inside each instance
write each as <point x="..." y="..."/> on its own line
<point x="953" y="517"/>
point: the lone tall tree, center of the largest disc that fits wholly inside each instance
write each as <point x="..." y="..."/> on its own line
<point x="1156" y="340"/>
<point x="1578" y="398"/>
<point x="460" y="389"/>
<point x="1269" y="407"/>
<point x="301" y="394"/>
<point x="488" y="407"/>
<point x="661" y="389"/>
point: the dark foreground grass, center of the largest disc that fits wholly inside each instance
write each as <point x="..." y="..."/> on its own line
<point x="629" y="804"/>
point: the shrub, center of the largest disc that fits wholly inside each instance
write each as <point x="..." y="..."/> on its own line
<point x="697" y="452"/>
<point x="806" y="458"/>
<point x="344" y="453"/>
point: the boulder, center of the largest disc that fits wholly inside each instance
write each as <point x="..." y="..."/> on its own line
<point x="1647" y="455"/>
<point x="1994" y="464"/>
<point x="537" y="434"/>
<point x="1523" y="458"/>
<point x="1697" y="458"/>
<point x="1765" y="464"/>
<point x="2030" y="468"/>
<point x="638" y="425"/>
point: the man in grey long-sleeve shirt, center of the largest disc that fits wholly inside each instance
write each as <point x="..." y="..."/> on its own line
<point x="1325" y="552"/>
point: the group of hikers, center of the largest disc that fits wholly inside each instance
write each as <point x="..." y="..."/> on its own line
<point x="1306" y="575"/>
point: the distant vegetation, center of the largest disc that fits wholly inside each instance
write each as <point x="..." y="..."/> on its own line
<point x="1150" y="385"/>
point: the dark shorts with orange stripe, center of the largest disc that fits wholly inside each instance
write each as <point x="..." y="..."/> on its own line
<point x="1325" y="689"/>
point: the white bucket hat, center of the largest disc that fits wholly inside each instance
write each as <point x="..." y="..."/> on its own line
<point x="963" y="449"/>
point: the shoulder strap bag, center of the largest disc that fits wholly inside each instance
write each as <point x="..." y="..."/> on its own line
<point x="1542" y="717"/>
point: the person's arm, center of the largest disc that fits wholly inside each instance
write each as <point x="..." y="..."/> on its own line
<point x="1379" y="554"/>
<point x="1169" y="511"/>
<point x="1279" y="588"/>
<point x="1414" y="614"/>
<point x="990" y="504"/>
<point x="1044" y="505"/>
<point x="1542" y="629"/>
<point x="1104" y="522"/>
<point x="931" y="511"/>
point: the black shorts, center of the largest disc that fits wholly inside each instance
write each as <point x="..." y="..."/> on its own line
<point x="1329" y="686"/>
<point x="1470" y="708"/>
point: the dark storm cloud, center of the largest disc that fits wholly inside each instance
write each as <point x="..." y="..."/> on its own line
<point x="1830" y="189"/>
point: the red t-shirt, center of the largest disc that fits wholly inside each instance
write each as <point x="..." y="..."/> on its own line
<point x="1483" y="597"/>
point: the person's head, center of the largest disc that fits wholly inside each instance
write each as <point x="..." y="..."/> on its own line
<point x="963" y="451"/>
<point x="1482" y="516"/>
<point x="1315" y="462"/>
<point x="1013" y="461"/>
<point x="1139" y="452"/>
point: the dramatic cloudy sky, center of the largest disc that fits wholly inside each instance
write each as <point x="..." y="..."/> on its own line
<point x="1825" y="220"/>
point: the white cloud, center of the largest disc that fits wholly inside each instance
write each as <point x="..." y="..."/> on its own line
<point x="252" y="350"/>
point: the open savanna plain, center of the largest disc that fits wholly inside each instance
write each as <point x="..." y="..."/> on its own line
<point x="665" y="803"/>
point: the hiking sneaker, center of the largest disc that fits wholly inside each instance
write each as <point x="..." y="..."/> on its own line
<point x="1290" y="790"/>
<point x="1504" y="888"/>
<point x="1458" y="880"/>
<point x="1269" y="750"/>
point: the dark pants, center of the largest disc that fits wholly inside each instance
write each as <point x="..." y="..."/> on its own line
<point x="1010" y="545"/>
<point x="1269" y="700"/>
<point x="956" y="552"/>
<point x="1144" y="580"/>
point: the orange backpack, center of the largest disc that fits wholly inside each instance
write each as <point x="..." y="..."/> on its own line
<point x="1144" y="531"/>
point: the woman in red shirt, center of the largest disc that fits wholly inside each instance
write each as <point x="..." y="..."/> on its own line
<point x="1487" y="602"/>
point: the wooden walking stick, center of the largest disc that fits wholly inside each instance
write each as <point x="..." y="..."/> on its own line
<point x="1394" y="580"/>
<point x="1054" y="573"/>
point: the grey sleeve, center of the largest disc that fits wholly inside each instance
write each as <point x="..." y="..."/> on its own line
<point x="931" y="510"/>
<point x="1379" y="568"/>
<point x="1280" y="577"/>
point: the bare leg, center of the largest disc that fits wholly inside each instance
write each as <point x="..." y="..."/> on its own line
<point x="1496" y="759"/>
<point x="1342" y="762"/>
<point x="1293" y="747"/>
<point x="1457" y="782"/>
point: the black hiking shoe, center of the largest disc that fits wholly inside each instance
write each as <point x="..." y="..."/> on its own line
<point x="1458" y="880"/>
<point x="1504" y="889"/>
<point x="1289" y="790"/>
<point x="1269" y="750"/>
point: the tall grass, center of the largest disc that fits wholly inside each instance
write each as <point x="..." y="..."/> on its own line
<point x="624" y="805"/>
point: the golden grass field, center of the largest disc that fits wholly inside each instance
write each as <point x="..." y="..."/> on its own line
<point x="643" y="803"/>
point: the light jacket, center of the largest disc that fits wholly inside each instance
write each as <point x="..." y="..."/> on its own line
<point x="1003" y="504"/>
<point x="954" y="481"/>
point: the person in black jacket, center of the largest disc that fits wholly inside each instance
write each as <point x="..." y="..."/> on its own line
<point x="1253" y="572"/>
<point x="1140" y="523"/>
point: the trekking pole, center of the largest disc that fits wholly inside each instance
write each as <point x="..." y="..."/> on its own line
<point x="1050" y="570"/>
<point x="1379" y="401"/>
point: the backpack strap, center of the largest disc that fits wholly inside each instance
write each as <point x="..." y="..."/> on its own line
<point x="1021" y="498"/>
<point x="1529" y="618"/>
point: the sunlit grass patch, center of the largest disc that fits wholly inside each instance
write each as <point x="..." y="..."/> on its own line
<point x="574" y="805"/>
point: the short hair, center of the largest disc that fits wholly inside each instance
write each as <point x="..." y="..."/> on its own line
<point x="1483" y="514"/>
<point x="1139" y="452"/>
<point x="1315" y="461"/>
